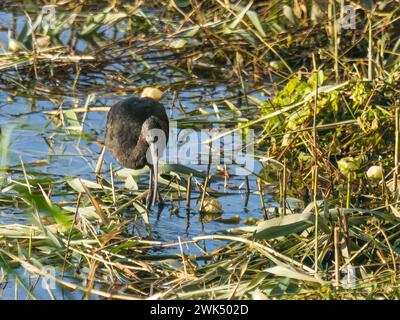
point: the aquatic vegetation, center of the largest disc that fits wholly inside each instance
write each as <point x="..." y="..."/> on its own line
<point x="319" y="219"/>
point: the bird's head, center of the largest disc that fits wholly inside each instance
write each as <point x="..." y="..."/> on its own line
<point x="151" y="130"/>
<point x="153" y="93"/>
<point x="155" y="138"/>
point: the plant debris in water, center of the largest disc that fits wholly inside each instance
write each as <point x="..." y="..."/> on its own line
<point x="323" y="100"/>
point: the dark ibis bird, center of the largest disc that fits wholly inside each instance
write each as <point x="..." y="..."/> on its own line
<point x="137" y="134"/>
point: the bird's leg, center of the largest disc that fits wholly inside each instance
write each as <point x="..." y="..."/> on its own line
<point x="150" y="194"/>
<point x="159" y="198"/>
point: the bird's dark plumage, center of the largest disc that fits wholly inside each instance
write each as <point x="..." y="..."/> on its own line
<point x="124" y="137"/>
<point x="127" y="136"/>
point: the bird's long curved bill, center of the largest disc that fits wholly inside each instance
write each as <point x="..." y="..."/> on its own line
<point x="154" y="159"/>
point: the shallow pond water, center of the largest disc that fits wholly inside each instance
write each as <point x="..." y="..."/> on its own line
<point x="35" y="139"/>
